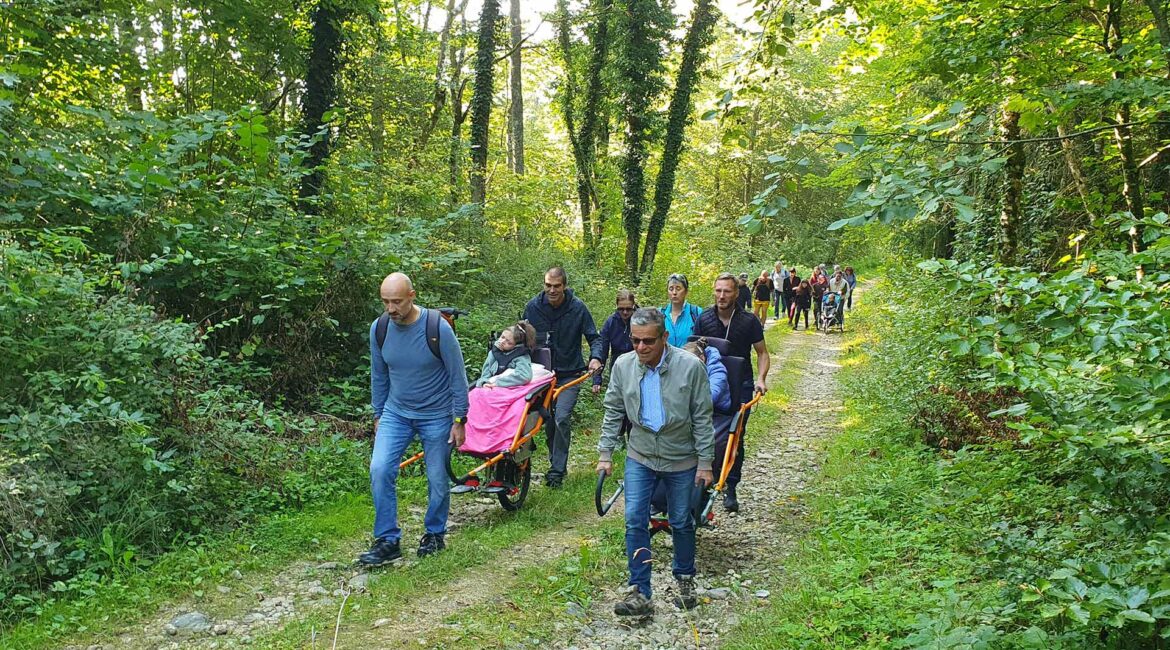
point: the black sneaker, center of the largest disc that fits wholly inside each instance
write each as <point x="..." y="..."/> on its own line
<point x="730" y="503"/>
<point x="430" y="544"/>
<point x="635" y="604"/>
<point x="382" y="552"/>
<point x="554" y="481"/>
<point x="685" y="599"/>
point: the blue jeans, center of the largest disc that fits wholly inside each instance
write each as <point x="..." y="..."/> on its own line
<point x="640" y="484"/>
<point x="778" y="302"/>
<point x="394" y="434"/>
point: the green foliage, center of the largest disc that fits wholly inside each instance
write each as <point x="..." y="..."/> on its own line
<point x="1057" y="539"/>
<point x="117" y="441"/>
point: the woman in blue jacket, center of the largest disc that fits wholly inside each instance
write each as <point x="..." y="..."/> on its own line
<point x="716" y="373"/>
<point x="681" y="316"/>
<point x="615" y="333"/>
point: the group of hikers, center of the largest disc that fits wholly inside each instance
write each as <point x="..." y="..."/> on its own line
<point x="659" y="402"/>
<point x="782" y="289"/>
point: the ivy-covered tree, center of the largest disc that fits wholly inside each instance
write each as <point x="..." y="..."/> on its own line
<point x="481" y="99"/>
<point x="698" y="37"/>
<point x="320" y="92"/>
<point x="638" y="59"/>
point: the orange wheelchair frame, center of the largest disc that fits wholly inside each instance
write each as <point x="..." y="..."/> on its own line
<point x="511" y="496"/>
<point x="702" y="507"/>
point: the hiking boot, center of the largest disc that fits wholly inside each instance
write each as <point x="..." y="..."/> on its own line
<point x="635" y="604"/>
<point x="382" y="552"/>
<point x="685" y="599"/>
<point x="730" y="503"/>
<point x="430" y="544"/>
<point x="554" y="481"/>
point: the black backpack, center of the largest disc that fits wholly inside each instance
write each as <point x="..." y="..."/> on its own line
<point x="432" y="333"/>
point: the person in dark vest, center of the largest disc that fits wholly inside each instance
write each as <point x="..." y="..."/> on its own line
<point x="744" y="333"/>
<point x="418" y="388"/>
<point x="563" y="320"/>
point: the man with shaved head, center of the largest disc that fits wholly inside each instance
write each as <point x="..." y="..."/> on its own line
<point x="418" y="388"/>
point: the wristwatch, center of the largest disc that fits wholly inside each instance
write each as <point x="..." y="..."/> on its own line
<point x="461" y="419"/>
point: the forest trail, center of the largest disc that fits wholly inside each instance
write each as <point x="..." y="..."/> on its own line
<point x="742" y="559"/>
<point x="739" y="561"/>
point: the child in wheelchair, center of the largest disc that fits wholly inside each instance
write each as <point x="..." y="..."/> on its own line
<point x="509" y="362"/>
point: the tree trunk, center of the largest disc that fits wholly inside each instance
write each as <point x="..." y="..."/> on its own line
<point x="582" y="139"/>
<point x="1073" y="162"/>
<point x="516" y="108"/>
<point x="1160" y="162"/>
<point x="458" y="115"/>
<point x="439" y="94"/>
<point x="481" y="100"/>
<point x="1009" y="214"/>
<point x="320" y="94"/>
<point x="639" y="71"/>
<point x="1122" y="133"/>
<point x="133" y="73"/>
<point x="694" y="44"/>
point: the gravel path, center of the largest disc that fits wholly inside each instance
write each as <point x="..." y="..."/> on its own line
<point x="745" y="553"/>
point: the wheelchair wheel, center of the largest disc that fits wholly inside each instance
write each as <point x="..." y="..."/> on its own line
<point x="518" y="476"/>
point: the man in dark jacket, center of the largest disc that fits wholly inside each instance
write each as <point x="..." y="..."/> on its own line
<point x="562" y="319"/>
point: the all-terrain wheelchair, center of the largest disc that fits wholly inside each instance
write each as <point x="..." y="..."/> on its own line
<point x="729" y="430"/>
<point x="496" y="456"/>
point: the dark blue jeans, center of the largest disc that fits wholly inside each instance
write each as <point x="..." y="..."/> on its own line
<point x="394" y="434"/>
<point x="640" y="484"/>
<point x="779" y="302"/>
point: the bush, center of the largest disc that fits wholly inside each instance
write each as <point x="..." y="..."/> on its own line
<point x="117" y="440"/>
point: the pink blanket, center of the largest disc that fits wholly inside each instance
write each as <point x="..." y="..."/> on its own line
<point x="494" y="414"/>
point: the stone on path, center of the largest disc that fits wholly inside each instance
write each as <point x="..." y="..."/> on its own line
<point x="191" y="623"/>
<point x="359" y="582"/>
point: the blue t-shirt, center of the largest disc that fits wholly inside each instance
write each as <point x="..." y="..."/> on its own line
<point x="406" y="378"/>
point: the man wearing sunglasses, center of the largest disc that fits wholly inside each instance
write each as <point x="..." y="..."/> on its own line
<point x="561" y="319"/>
<point x="666" y="395"/>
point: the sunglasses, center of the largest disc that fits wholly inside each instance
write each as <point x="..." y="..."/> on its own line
<point x="625" y="310"/>
<point x="636" y="341"/>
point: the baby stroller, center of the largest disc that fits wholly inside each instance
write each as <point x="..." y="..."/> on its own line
<point x="831" y="314"/>
<point x="729" y="429"/>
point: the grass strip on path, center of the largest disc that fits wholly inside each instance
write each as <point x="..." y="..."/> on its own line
<point x="533" y="608"/>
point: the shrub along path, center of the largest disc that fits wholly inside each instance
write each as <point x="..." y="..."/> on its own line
<point x="547" y="576"/>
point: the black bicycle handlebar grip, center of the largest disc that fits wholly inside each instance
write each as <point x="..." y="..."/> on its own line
<point x="598" y="492"/>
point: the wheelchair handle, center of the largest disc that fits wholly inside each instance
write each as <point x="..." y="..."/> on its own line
<point x="604" y="506"/>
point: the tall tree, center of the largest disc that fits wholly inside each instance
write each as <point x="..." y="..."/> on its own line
<point x="1013" y="188"/>
<point x="1123" y="133"/>
<point x="1160" y="162"/>
<point x="481" y="99"/>
<point x="639" y="67"/>
<point x="439" y="94"/>
<point x="698" y="37"/>
<point x="320" y="92"/>
<point x="516" y="107"/>
<point x="456" y="86"/>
